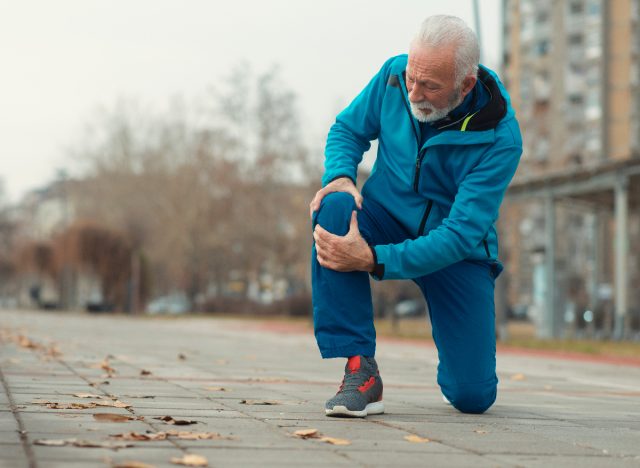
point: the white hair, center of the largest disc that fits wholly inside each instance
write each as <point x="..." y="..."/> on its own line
<point x="444" y="30"/>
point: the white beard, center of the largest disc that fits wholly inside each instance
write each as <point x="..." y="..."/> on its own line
<point x="418" y="109"/>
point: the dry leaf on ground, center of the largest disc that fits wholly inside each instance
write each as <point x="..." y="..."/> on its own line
<point x="260" y="402"/>
<point x="56" y="405"/>
<point x="416" y="439"/>
<point x="145" y="372"/>
<point x="115" y="404"/>
<point x="140" y="436"/>
<point x="186" y="435"/>
<point x="53" y="351"/>
<point x="95" y="384"/>
<point x="132" y="464"/>
<point x="25" y="342"/>
<point x="81" y="443"/>
<point x="480" y="431"/>
<point x="306" y="433"/>
<point x="190" y="460"/>
<point x="87" y="395"/>
<point x="93" y="444"/>
<point x="518" y="377"/>
<point x="53" y="442"/>
<point x="335" y="441"/>
<point x="104" y="365"/>
<point x="112" y="417"/>
<point x="177" y="422"/>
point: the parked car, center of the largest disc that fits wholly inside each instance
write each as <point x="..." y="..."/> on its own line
<point x="171" y="304"/>
<point x="410" y="308"/>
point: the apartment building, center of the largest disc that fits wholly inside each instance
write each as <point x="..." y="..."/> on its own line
<point x="573" y="71"/>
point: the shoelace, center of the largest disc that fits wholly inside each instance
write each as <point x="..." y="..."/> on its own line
<point x="353" y="380"/>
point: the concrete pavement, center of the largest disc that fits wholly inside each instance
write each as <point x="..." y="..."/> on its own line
<point x="550" y="412"/>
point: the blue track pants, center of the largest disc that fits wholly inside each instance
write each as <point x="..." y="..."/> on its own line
<point x="460" y="300"/>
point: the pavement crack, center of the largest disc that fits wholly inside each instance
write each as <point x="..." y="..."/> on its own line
<point x="24" y="438"/>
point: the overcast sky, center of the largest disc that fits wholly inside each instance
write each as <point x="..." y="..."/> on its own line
<point x="61" y="60"/>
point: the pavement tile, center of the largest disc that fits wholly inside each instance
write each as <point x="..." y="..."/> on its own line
<point x="563" y="413"/>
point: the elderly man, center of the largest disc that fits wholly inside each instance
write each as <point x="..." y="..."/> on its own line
<point x="448" y="146"/>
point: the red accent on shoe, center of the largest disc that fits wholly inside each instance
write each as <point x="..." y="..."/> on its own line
<point x="354" y="364"/>
<point x="367" y="385"/>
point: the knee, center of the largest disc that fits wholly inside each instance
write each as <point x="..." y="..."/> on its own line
<point x="474" y="399"/>
<point x="335" y="212"/>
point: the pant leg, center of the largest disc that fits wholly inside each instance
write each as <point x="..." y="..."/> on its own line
<point x="342" y="306"/>
<point x="462" y="312"/>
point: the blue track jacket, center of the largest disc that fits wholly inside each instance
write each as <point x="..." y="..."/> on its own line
<point x="445" y="193"/>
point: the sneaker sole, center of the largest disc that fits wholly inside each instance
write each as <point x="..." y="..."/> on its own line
<point x="372" y="408"/>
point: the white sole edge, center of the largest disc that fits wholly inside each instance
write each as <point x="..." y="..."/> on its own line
<point x="372" y="408"/>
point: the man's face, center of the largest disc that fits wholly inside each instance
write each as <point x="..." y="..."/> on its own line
<point x="431" y="82"/>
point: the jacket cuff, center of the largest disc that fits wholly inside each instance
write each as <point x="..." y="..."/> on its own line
<point x="340" y="177"/>
<point x="378" y="268"/>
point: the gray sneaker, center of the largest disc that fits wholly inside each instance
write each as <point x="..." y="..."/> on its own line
<point x="360" y="393"/>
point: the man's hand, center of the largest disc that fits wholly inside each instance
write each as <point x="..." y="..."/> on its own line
<point x="343" y="253"/>
<point x="343" y="184"/>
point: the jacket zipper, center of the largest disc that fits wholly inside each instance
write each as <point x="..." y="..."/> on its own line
<point x="420" y="154"/>
<point x="416" y="175"/>
<point x="425" y="216"/>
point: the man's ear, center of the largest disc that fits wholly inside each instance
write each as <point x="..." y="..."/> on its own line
<point x="468" y="83"/>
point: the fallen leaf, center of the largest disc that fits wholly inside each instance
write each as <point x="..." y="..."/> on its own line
<point x="186" y="435"/>
<point x="27" y="343"/>
<point x="177" y="422"/>
<point x="260" y="402"/>
<point x="56" y="405"/>
<point x="111" y="417"/>
<point x="518" y="377"/>
<point x="115" y="404"/>
<point x="145" y="372"/>
<point x="95" y="444"/>
<point x="132" y="464"/>
<point x="334" y="441"/>
<point x="104" y="365"/>
<point x="87" y="395"/>
<point x="306" y="433"/>
<point x="53" y="351"/>
<point x="416" y="439"/>
<point x="95" y="384"/>
<point x="53" y="442"/>
<point x="140" y="436"/>
<point x="80" y="443"/>
<point x="480" y="431"/>
<point x="217" y="389"/>
<point x="182" y="356"/>
<point x="190" y="460"/>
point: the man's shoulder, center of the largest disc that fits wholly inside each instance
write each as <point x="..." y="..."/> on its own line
<point x="396" y="64"/>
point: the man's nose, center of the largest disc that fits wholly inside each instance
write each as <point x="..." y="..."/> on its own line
<point x="414" y="94"/>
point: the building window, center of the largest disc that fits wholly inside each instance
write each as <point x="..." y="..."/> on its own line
<point x="593" y="8"/>
<point x="576" y="8"/>
<point x="575" y="39"/>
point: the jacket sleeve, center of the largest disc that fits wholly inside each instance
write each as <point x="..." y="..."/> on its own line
<point x="354" y="129"/>
<point x="472" y="214"/>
